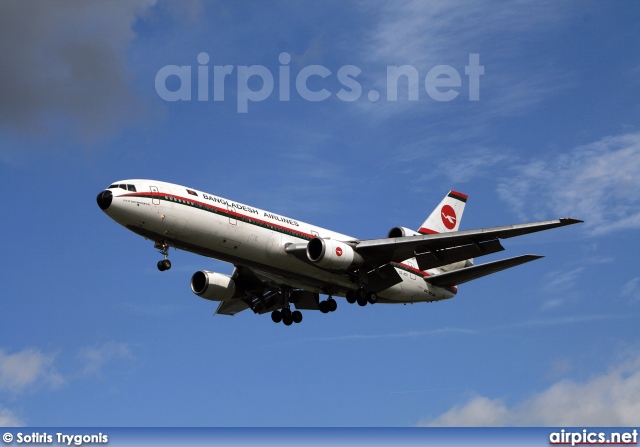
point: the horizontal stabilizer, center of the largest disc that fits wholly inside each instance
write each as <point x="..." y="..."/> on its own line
<point x="457" y="277"/>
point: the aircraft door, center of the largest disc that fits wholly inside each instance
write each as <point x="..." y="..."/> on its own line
<point x="154" y="199"/>
<point x="232" y="218"/>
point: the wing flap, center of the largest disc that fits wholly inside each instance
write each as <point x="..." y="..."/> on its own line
<point x="466" y="274"/>
<point x="231" y="307"/>
<point x="438" y="258"/>
<point x="381" y="278"/>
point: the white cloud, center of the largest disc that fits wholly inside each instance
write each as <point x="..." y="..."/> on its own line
<point x="632" y="289"/>
<point x="95" y="358"/>
<point x="30" y="368"/>
<point x="443" y="32"/>
<point x="611" y="399"/>
<point x="598" y="183"/>
<point x="27" y="368"/>
<point x="8" y="419"/>
<point x="408" y="334"/>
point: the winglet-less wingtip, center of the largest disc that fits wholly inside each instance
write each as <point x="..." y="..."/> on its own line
<point x="570" y="221"/>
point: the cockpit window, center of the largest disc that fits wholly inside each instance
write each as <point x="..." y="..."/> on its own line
<point x="123" y="186"/>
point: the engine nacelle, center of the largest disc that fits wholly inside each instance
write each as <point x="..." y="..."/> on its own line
<point x="213" y="286"/>
<point x="457" y="265"/>
<point x="402" y="232"/>
<point x="332" y="255"/>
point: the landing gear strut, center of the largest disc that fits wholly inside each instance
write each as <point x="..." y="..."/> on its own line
<point x="163" y="248"/>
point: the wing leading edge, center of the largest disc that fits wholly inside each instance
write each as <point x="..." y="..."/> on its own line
<point x="381" y="251"/>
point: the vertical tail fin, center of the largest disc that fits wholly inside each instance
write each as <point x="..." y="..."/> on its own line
<point x="446" y="216"/>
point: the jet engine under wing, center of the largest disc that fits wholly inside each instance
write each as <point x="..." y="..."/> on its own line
<point x="466" y="274"/>
<point x="381" y="251"/>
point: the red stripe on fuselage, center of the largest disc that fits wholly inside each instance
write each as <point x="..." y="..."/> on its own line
<point x="224" y="211"/>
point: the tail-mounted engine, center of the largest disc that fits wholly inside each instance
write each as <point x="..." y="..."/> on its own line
<point x="332" y="255"/>
<point x="213" y="286"/>
<point x="402" y="232"/>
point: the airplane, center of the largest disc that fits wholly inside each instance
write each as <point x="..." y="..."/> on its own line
<point x="280" y="261"/>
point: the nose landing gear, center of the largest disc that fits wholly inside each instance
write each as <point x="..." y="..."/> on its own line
<point x="163" y="248"/>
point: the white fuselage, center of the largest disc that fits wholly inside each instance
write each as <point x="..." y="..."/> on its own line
<point x="212" y="226"/>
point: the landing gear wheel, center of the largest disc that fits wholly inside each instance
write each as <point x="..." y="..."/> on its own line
<point x="351" y="297"/>
<point x="324" y="307"/>
<point x="163" y="248"/>
<point x="332" y="305"/>
<point x="362" y="301"/>
<point x="287" y="319"/>
<point x="296" y="316"/>
<point x="276" y="316"/>
<point x="372" y="297"/>
<point x="286" y="313"/>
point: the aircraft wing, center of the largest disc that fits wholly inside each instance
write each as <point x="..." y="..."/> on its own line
<point x="466" y="274"/>
<point x="465" y="244"/>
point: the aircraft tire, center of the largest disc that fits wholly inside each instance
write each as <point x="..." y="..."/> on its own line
<point x="351" y="297"/>
<point x="276" y="316"/>
<point x="324" y="307"/>
<point x="161" y="266"/>
<point x="296" y="316"/>
<point x="167" y="264"/>
<point x="287" y="320"/>
<point x="332" y="305"/>
<point x="372" y="297"/>
<point x="362" y="301"/>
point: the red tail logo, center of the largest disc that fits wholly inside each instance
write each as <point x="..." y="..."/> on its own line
<point x="448" y="217"/>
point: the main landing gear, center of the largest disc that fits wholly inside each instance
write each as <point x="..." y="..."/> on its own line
<point x="163" y="248"/>
<point x="289" y="317"/>
<point x="328" y="305"/>
<point x="362" y="297"/>
<point x="286" y="316"/>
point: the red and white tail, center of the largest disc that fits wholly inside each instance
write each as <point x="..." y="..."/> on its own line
<point x="446" y="216"/>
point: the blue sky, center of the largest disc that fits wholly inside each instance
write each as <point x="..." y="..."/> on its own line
<point x="91" y="334"/>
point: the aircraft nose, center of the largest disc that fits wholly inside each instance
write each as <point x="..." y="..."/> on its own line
<point x="104" y="199"/>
